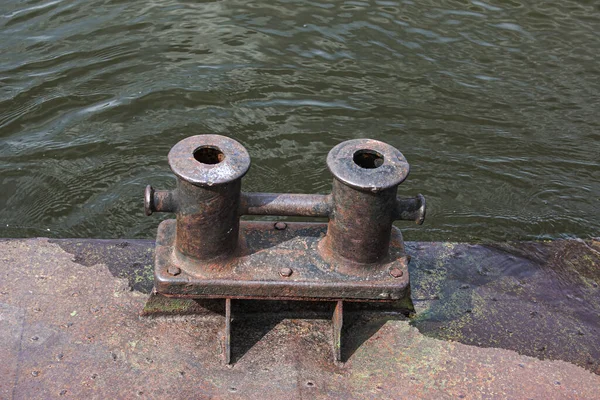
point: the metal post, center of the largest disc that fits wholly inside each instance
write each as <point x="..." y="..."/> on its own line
<point x="366" y="177"/>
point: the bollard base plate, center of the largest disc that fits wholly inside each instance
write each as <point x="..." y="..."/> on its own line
<point x="280" y="261"/>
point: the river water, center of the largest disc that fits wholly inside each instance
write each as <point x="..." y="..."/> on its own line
<point x="494" y="103"/>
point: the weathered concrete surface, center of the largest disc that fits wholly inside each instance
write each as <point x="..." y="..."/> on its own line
<point x="70" y="328"/>
<point x="540" y="299"/>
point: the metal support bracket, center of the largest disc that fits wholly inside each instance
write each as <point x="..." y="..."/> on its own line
<point x="337" y="322"/>
<point x="227" y="334"/>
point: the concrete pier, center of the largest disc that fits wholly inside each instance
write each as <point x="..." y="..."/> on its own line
<point x="518" y="321"/>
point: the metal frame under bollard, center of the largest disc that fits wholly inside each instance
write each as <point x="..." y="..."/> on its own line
<point x="207" y="252"/>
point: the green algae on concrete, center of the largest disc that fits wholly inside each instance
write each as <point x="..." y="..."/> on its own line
<point x="537" y="298"/>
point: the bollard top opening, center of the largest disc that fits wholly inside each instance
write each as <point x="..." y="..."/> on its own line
<point x="368" y="165"/>
<point x="368" y="159"/>
<point x="209" y="155"/>
<point x="208" y="160"/>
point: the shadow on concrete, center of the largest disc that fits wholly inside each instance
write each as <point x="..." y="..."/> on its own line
<point x="360" y="328"/>
<point x="247" y="332"/>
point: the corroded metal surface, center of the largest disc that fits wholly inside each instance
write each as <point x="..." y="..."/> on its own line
<point x="337" y="323"/>
<point x="358" y="255"/>
<point x="367" y="164"/>
<point x="286" y="204"/>
<point x="70" y="327"/>
<point x="256" y="270"/>
<point x="223" y="160"/>
<point x="227" y="333"/>
<point x="360" y="226"/>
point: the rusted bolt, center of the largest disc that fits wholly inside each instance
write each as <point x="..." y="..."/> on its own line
<point x="396" y="272"/>
<point x="285" y="272"/>
<point x="280" y="226"/>
<point x="172" y="270"/>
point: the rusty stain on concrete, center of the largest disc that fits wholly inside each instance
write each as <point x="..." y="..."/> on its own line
<point x="92" y="343"/>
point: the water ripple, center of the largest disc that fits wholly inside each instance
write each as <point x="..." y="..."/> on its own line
<point x="493" y="103"/>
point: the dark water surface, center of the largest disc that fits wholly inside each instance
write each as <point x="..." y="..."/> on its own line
<point x="495" y="104"/>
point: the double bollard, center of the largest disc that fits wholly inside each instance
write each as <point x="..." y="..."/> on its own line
<point x="358" y="255"/>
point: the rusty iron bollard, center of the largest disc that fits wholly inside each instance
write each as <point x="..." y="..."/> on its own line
<point x="357" y="256"/>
